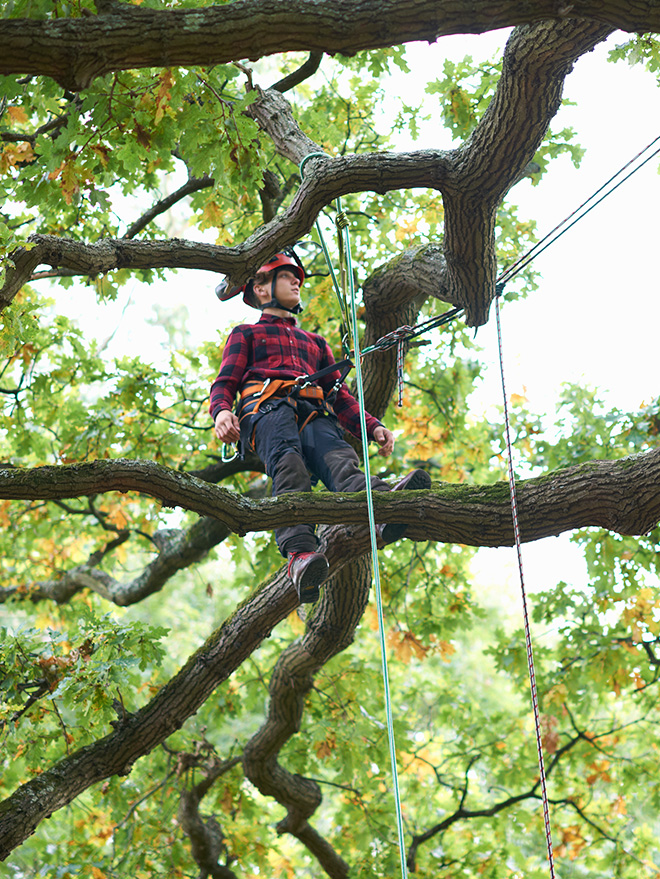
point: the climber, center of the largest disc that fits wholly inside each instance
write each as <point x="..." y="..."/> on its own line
<point x="292" y="417"/>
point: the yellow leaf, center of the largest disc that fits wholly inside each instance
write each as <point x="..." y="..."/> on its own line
<point x="102" y="152"/>
<point x="17" y="114"/>
<point x="117" y="517"/>
<point x="619" y="806"/>
<point x="164" y="94"/>
<point x="227" y="801"/>
<point x="15" y="154"/>
<point x="5" y="521"/>
<point x="550" y="737"/>
<point x="326" y="747"/>
<point x="447" y="650"/>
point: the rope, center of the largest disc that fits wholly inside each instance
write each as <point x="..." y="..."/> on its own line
<point x="541" y="245"/>
<point x="374" y="554"/>
<point x="528" y="637"/>
<point x="340" y="291"/>
<point x="400" y="356"/>
<point x="406" y="332"/>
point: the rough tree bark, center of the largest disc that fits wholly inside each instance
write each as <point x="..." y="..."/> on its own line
<point x="473" y="179"/>
<point x="621" y="495"/>
<point x="75" y="51"/>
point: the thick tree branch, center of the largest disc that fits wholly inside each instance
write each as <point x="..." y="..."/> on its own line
<point x="75" y="51"/>
<point x="206" y="836"/>
<point x="474" y="178"/>
<point x="339" y="176"/>
<point x="330" y="630"/>
<point x="622" y="496"/>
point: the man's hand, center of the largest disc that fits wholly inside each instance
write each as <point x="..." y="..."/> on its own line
<point x="227" y="427"/>
<point x="385" y="439"/>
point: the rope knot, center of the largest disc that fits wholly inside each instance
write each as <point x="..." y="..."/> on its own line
<point x="398" y="335"/>
<point x="342" y="220"/>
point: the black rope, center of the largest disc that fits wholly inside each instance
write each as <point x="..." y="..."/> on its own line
<point x="547" y="240"/>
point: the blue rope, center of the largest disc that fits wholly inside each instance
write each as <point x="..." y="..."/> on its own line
<point x="374" y="552"/>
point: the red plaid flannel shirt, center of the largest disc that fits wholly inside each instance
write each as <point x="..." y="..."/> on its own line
<point x="276" y="347"/>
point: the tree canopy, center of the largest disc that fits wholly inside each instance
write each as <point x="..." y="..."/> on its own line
<point x="163" y="701"/>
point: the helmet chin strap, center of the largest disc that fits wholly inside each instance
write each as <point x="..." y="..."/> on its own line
<point x="274" y="303"/>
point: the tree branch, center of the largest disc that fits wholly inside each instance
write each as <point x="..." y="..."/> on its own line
<point x="305" y="70"/>
<point x="76" y="50"/>
<point x="206" y="836"/>
<point x="178" y="549"/>
<point x="194" y="184"/>
<point x="223" y="652"/>
<point x="329" y="631"/>
<point x="622" y="496"/>
<point x="473" y="180"/>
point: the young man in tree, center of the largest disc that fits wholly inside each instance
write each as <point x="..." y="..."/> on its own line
<point x="291" y="417"/>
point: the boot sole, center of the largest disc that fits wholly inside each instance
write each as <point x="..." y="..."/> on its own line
<point x="308" y="587"/>
<point x="419" y="480"/>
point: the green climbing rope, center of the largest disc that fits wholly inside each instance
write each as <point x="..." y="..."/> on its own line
<point x="347" y="281"/>
<point x="340" y="289"/>
<point x="374" y="548"/>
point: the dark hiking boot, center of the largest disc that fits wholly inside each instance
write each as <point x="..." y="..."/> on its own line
<point x="307" y="570"/>
<point x="416" y="480"/>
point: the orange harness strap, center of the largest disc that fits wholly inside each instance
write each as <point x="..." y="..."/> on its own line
<point x="256" y="393"/>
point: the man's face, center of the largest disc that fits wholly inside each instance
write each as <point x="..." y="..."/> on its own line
<point x="287" y="289"/>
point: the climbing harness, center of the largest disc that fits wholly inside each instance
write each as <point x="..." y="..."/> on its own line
<point x="259" y="397"/>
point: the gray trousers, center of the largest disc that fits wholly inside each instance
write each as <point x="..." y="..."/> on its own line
<point x="294" y="459"/>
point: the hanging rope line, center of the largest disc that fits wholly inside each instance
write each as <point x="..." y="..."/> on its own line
<point x="374" y="556"/>
<point x="348" y="284"/>
<point x="528" y="637"/>
<point x="580" y="212"/>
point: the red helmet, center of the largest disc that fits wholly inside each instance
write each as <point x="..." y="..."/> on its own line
<point x="279" y="261"/>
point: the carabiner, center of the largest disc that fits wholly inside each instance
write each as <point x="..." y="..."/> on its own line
<point x="227" y="454"/>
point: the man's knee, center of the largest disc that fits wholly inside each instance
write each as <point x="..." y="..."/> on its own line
<point x="344" y="468"/>
<point x="290" y="474"/>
